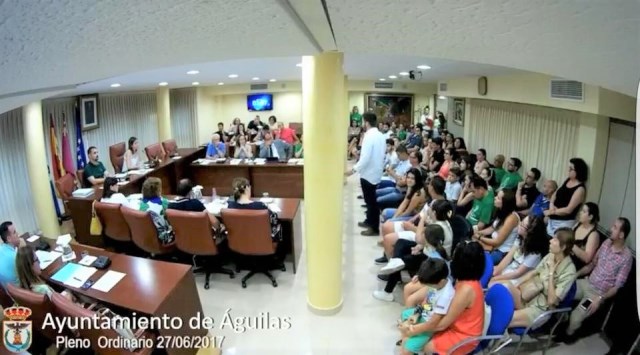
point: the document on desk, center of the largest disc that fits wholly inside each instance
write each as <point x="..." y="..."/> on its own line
<point x="46" y="258"/>
<point x="80" y="276"/>
<point x="275" y="208"/>
<point x="33" y="238"/>
<point x="65" y="272"/>
<point x="260" y="161"/>
<point x="108" y="280"/>
<point x="215" y="207"/>
<point x="87" y="260"/>
<point x="235" y="161"/>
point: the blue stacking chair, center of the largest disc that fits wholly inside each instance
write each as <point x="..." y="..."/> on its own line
<point x="488" y="270"/>
<point x="561" y="313"/>
<point x="499" y="299"/>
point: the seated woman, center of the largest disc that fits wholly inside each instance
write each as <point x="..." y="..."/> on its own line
<point x="466" y="162"/>
<point x="489" y="177"/>
<point x="503" y="232"/>
<point x="449" y="160"/>
<point x="587" y="238"/>
<point x="354" y="130"/>
<point x="448" y="141"/>
<point x="242" y="200"/>
<point x="110" y="192"/>
<point x="298" y="148"/>
<point x="131" y="157"/>
<point x="233" y="127"/>
<point x="410" y="255"/>
<point x="532" y="244"/>
<point x="465" y="317"/>
<point x="156" y="205"/>
<point x="28" y="273"/>
<point x="413" y="201"/>
<point x="390" y="230"/>
<point x="544" y="287"/>
<point x="460" y="146"/>
<point x="243" y="149"/>
<point x="465" y="199"/>
<point x="481" y="161"/>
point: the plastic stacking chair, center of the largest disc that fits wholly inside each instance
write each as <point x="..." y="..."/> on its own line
<point x="561" y="313"/>
<point x="488" y="270"/>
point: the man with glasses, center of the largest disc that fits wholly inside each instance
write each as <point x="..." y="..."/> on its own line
<point x="511" y="179"/>
<point x="527" y="191"/>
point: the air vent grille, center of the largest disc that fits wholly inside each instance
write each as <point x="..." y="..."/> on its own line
<point x="443" y="86"/>
<point x="382" y="85"/>
<point x="567" y="90"/>
<point x="259" y="86"/>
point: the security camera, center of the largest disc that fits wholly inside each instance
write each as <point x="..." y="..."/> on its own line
<point x="415" y="75"/>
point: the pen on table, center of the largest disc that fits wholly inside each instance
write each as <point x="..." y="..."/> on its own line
<point x="77" y="279"/>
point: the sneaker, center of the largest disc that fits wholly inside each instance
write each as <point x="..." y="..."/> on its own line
<point x="381" y="261"/>
<point x="394" y="264"/>
<point x="383" y="278"/>
<point x="383" y="296"/>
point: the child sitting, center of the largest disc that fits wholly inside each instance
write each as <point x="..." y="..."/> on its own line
<point x="418" y="323"/>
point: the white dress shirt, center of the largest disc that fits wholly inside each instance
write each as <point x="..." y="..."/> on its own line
<point x="371" y="163"/>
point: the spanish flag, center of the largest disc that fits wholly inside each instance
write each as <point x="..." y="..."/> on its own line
<point x="58" y="169"/>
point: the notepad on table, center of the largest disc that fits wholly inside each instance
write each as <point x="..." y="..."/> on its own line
<point x="235" y="161"/>
<point x="65" y="272"/>
<point x="108" y="280"/>
<point x="87" y="260"/>
<point x="33" y="238"/>
<point x="80" y="276"/>
<point x="46" y="258"/>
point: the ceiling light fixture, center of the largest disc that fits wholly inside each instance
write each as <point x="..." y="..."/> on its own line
<point x="404" y="73"/>
<point x="233" y="76"/>
<point x="115" y="85"/>
<point x="195" y="83"/>
<point x="442" y="97"/>
<point x="221" y="83"/>
<point x="299" y="65"/>
<point x="164" y="83"/>
<point x="393" y="77"/>
<point x="255" y="78"/>
<point x="382" y="79"/>
<point x="423" y="67"/>
<point x="272" y="80"/>
<point x="193" y="72"/>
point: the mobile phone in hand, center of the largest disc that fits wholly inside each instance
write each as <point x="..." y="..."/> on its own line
<point x="585" y="304"/>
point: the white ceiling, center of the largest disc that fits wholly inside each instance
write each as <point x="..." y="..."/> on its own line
<point x="47" y="45"/>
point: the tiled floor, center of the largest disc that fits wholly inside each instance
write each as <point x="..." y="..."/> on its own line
<point x="363" y="326"/>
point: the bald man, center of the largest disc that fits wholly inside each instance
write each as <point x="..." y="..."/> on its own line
<point x="541" y="203"/>
<point x="216" y="149"/>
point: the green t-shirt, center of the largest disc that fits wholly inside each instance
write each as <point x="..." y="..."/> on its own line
<point x="95" y="170"/>
<point x="499" y="174"/>
<point x="510" y="181"/>
<point x="402" y="135"/>
<point x="355" y="117"/>
<point x="482" y="209"/>
<point x="296" y="149"/>
<point x="42" y="289"/>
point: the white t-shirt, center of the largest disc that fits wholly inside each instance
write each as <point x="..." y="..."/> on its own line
<point x="511" y="238"/>
<point x="452" y="190"/>
<point x="438" y="301"/>
<point x="391" y="159"/>
<point x="448" y="235"/>
<point x="531" y="261"/>
<point x="116" y="198"/>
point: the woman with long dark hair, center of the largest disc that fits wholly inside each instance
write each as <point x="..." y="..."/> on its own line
<point x="413" y="202"/>
<point x="131" y="157"/>
<point x="110" y="192"/>
<point x="587" y="237"/>
<point x="566" y="201"/>
<point x="503" y="232"/>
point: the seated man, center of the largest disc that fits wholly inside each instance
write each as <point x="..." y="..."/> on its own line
<point x="482" y="210"/>
<point x="391" y="157"/>
<point x="94" y="171"/>
<point x="8" y="251"/>
<point x="511" y="178"/>
<point x="527" y="191"/>
<point x="274" y="148"/>
<point x="414" y="140"/>
<point x="186" y="203"/>
<point x="216" y="149"/>
<point x="395" y="176"/>
<point x="610" y="267"/>
<point x="543" y="200"/>
<point x="498" y="170"/>
<point x="286" y="134"/>
<point x="437" y="157"/>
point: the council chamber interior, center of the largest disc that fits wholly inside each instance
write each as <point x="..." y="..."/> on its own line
<point x="319" y="177"/>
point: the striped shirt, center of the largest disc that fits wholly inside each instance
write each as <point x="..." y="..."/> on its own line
<point x="611" y="269"/>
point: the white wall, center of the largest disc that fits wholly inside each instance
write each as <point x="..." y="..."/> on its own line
<point x="287" y="107"/>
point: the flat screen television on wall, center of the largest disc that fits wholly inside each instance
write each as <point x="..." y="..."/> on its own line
<point x="260" y="102"/>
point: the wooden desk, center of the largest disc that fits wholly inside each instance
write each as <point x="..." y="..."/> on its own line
<point x="150" y="287"/>
<point x="170" y="171"/>
<point x="277" y="179"/>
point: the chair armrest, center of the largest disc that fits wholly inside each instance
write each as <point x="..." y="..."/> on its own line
<point x="470" y="340"/>
<point x="537" y="323"/>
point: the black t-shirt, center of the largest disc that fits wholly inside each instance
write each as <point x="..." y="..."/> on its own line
<point x="187" y="204"/>
<point x="531" y="193"/>
<point x="254" y="205"/>
<point x="254" y="125"/>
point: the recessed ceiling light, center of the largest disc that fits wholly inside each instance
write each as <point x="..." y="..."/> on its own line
<point x="382" y="79"/>
<point x="116" y="85"/>
<point x="299" y="65"/>
<point x="392" y="77"/>
<point x="272" y="80"/>
<point x="423" y="67"/>
<point x="233" y="76"/>
<point x="255" y="78"/>
<point x="404" y="73"/>
<point x="195" y="83"/>
<point x="164" y="83"/>
<point x="221" y="83"/>
<point x="193" y="72"/>
<point x="442" y="97"/>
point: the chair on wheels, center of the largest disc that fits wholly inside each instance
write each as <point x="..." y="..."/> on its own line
<point x="40" y="306"/>
<point x="114" y="225"/>
<point x="116" y="155"/>
<point x="144" y="234"/>
<point x="193" y="231"/>
<point x="499" y="299"/>
<point x="561" y="313"/>
<point x="154" y="151"/>
<point x="249" y="234"/>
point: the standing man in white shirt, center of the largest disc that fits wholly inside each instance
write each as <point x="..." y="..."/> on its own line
<point x="370" y="167"/>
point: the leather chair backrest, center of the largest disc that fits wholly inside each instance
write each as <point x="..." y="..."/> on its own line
<point x="65" y="186"/>
<point x="113" y="223"/>
<point x="193" y="232"/>
<point x="143" y="232"/>
<point x="38" y="303"/>
<point x="170" y="147"/>
<point x="80" y="176"/>
<point x="154" y="151"/>
<point x="249" y="231"/>
<point x="116" y="154"/>
<point x="65" y="308"/>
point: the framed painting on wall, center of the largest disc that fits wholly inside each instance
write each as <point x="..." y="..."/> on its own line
<point x="389" y="108"/>
<point x="458" y="111"/>
<point x="89" y="112"/>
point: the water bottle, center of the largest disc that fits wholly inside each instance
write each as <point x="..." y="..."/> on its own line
<point x="214" y="196"/>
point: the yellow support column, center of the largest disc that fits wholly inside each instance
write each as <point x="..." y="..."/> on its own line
<point x="347" y="122"/>
<point x="37" y="166"/>
<point x="324" y="132"/>
<point x="164" y="113"/>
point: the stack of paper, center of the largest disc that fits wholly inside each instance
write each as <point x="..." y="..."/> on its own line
<point x="46" y="258"/>
<point x="275" y="208"/>
<point x="33" y="238"/>
<point x="64" y="239"/>
<point x="235" y="161"/>
<point x="216" y="207"/>
<point x="82" y="192"/>
<point x="87" y="260"/>
<point x="108" y="280"/>
<point x="260" y="161"/>
<point x="300" y="162"/>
